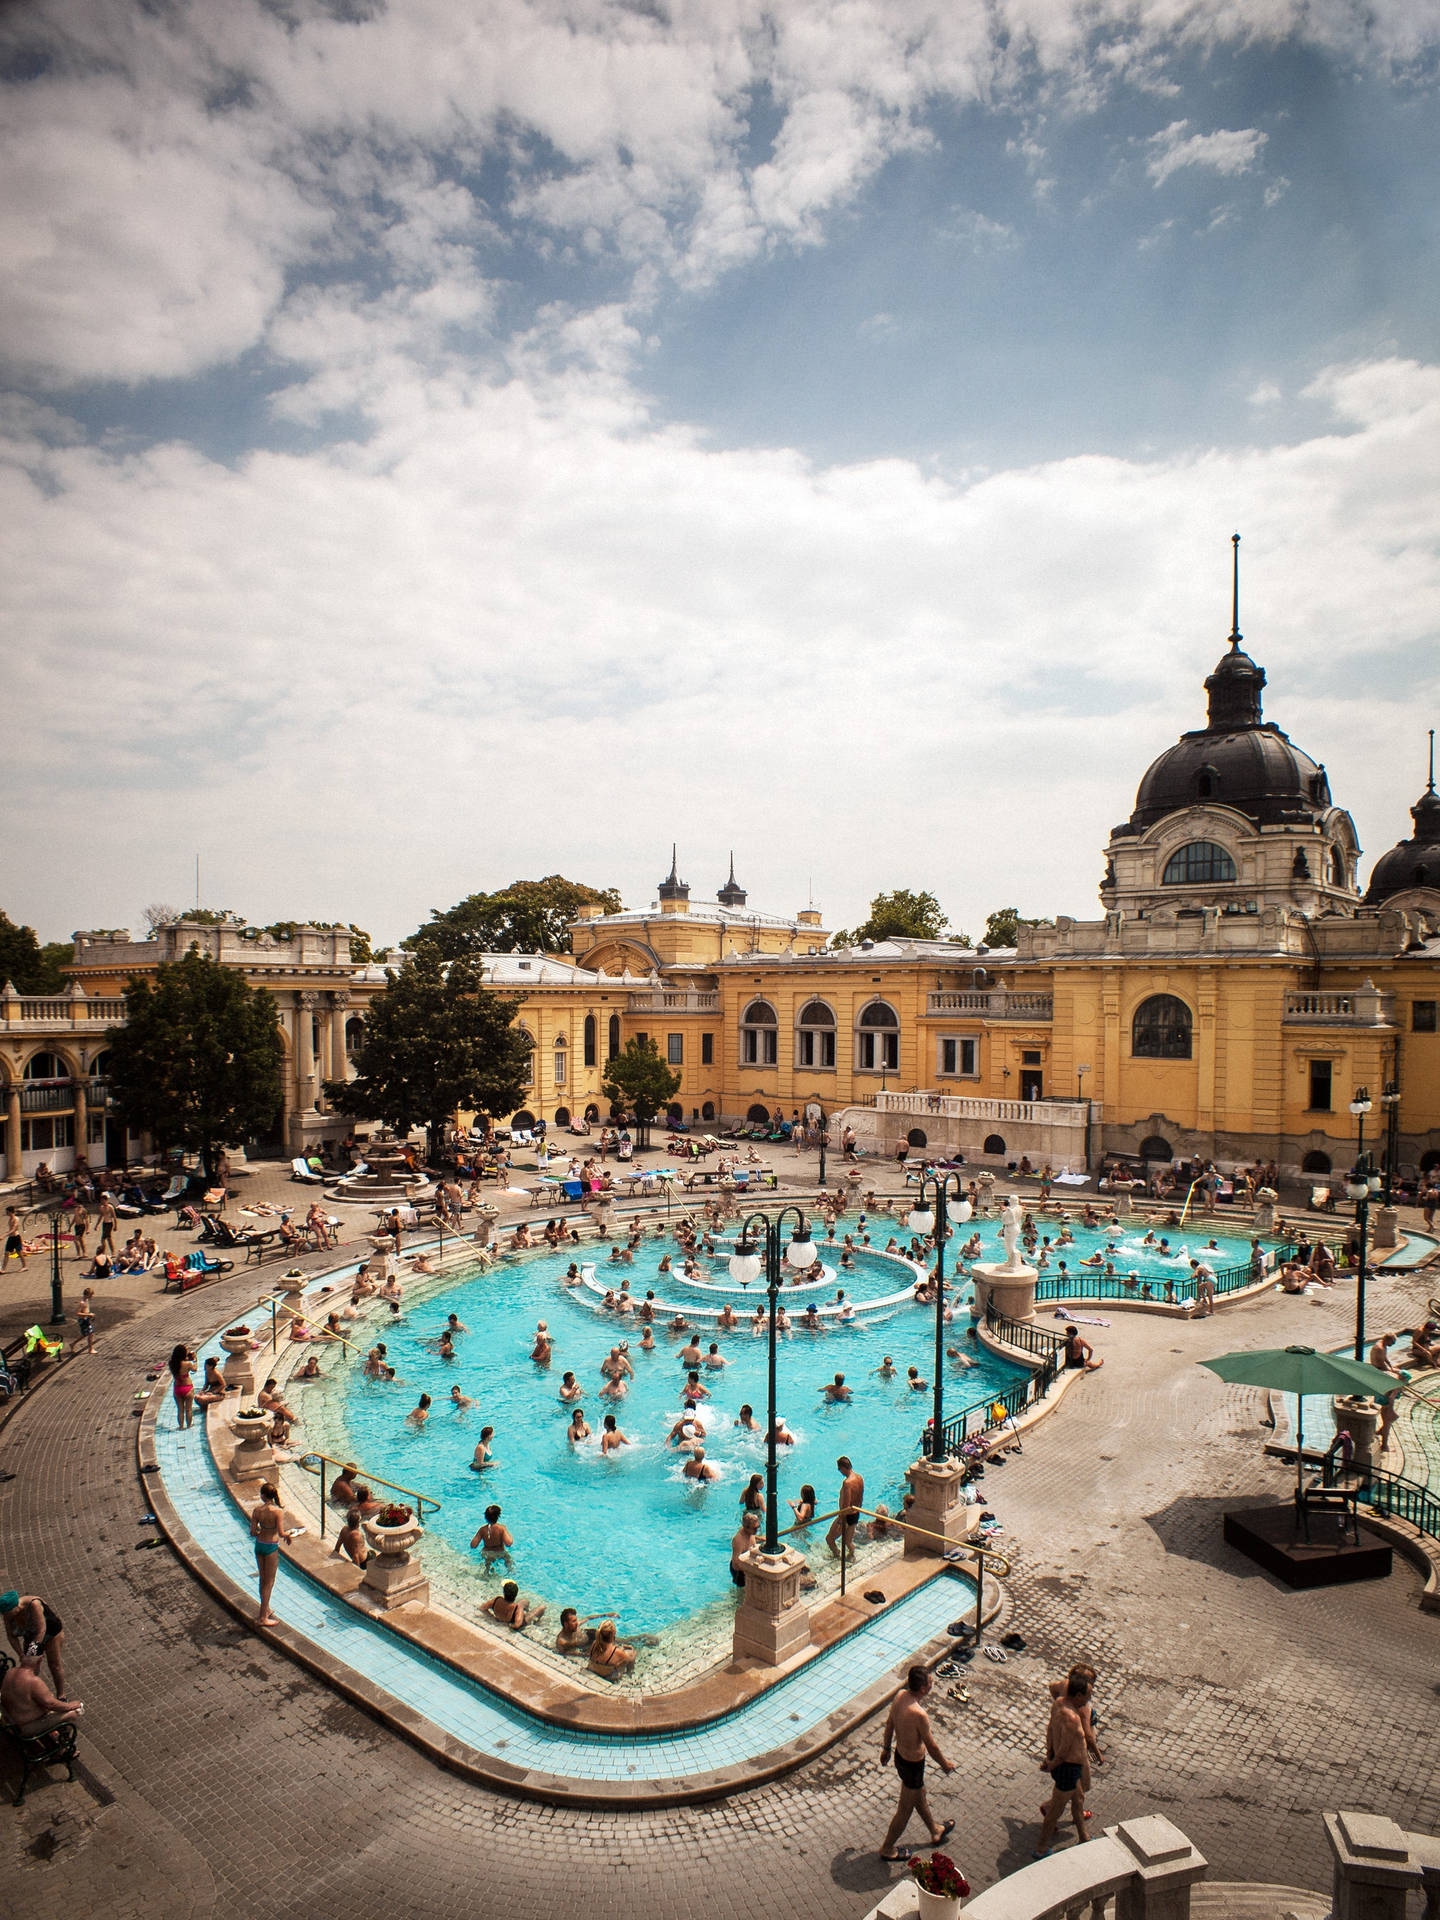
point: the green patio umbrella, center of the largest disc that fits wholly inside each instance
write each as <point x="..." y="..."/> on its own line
<point x="1301" y="1370"/>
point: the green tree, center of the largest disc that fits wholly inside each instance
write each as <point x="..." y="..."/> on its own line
<point x="640" y="1080"/>
<point x="198" y="1060"/>
<point x="33" y="968"/>
<point x="902" y="915"/>
<point x="528" y="916"/>
<point x="435" y="1039"/>
<point x="1000" y="928"/>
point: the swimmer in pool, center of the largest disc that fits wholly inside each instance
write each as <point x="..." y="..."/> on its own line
<point x="482" y="1457"/>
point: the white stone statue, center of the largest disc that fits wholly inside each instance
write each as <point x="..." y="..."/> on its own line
<point x="1010" y="1234"/>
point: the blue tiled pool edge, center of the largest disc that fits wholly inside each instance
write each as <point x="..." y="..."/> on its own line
<point x="779" y="1729"/>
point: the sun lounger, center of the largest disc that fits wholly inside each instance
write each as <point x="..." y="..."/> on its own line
<point x="300" y="1169"/>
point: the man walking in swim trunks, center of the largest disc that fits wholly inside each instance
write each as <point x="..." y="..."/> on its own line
<point x="907" y="1727"/>
<point x="1065" y="1750"/>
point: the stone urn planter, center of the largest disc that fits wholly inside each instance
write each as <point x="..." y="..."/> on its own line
<point x="393" y="1575"/>
<point x="253" y="1457"/>
<point x="238" y="1344"/>
<point x="940" y="1887"/>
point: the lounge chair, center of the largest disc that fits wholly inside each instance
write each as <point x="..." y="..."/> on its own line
<point x="300" y="1169"/>
<point x="201" y="1263"/>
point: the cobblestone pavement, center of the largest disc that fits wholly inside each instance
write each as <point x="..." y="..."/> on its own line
<point x="218" y="1778"/>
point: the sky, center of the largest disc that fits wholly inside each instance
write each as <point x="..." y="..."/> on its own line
<point x="443" y="445"/>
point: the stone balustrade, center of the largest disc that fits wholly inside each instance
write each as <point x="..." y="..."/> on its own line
<point x="993" y="1004"/>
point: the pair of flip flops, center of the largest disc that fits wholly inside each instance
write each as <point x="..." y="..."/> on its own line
<point x="875" y="1597"/>
<point x="959" y="1694"/>
<point x="995" y="1654"/>
<point x="1013" y="1641"/>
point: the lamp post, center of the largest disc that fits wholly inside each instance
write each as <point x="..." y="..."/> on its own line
<point x="921" y="1221"/>
<point x="57" y="1298"/>
<point x="1361" y="1184"/>
<point x="1390" y="1101"/>
<point x="819" y="1119"/>
<point x="1080" y="1073"/>
<point x="762" y="1233"/>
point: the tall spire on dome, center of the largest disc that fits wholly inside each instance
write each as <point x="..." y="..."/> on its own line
<point x="1426" y="810"/>
<point x="673" y="887"/>
<point x="732" y="894"/>
<point x="1234" y="687"/>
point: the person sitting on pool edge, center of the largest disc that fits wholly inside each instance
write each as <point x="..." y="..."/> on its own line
<point x="1078" y="1352"/>
<point x="608" y="1655"/>
<point x="510" y="1610"/>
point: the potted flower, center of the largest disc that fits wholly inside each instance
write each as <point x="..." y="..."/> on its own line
<point x="940" y="1886"/>
<point x="394" y="1530"/>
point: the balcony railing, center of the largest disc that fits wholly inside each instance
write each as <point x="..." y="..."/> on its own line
<point x="994" y="1004"/>
<point x="60" y="1010"/>
<point x="52" y="1097"/>
<point x="677" y="1001"/>
<point x="958" y="1106"/>
<point x="1359" y="1007"/>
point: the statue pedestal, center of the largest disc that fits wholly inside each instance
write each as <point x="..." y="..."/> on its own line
<point x="1384" y="1223"/>
<point x="1265" y="1203"/>
<point x="1011" y="1290"/>
<point x="771" y="1623"/>
<point x="941" y="1508"/>
<point x="1359" y="1416"/>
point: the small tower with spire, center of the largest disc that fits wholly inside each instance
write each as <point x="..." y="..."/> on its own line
<point x="1236" y="684"/>
<point x="732" y="894"/>
<point x="674" y="892"/>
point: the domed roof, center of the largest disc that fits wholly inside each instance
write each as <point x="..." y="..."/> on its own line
<point x="1414" y="862"/>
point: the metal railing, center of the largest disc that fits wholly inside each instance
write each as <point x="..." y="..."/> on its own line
<point x="1391" y="1494"/>
<point x="1005" y="1405"/>
<point x="324" y="1460"/>
<point x="1088" y="1285"/>
<point x="900" y="1526"/>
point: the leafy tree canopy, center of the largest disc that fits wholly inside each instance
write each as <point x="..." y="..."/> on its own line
<point x="435" y="1039"/>
<point x="33" y="968"/>
<point x="902" y="915"/>
<point x="198" y="1060"/>
<point x="528" y="916"/>
<point x="639" y="1079"/>
<point x="1000" y="928"/>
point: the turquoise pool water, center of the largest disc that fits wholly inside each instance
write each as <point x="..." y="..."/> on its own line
<point x="483" y="1720"/>
<point x="627" y="1532"/>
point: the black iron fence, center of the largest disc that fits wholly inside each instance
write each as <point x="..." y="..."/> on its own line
<point x="1005" y="1404"/>
<point x="1089" y="1285"/>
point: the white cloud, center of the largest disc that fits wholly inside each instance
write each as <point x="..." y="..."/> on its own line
<point x="527" y="602"/>
<point x="979" y="233"/>
<point x="1227" y="152"/>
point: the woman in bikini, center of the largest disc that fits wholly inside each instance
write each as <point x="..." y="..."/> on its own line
<point x="266" y="1526"/>
<point x="607" y="1655"/>
<point x="181" y="1368"/>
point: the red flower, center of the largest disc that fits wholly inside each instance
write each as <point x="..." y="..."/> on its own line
<point x="939" y="1874"/>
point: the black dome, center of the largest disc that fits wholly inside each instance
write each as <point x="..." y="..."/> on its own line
<point x="1414" y="862"/>
<point x="1257" y="770"/>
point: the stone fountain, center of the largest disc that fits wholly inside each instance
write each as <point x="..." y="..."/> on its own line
<point x="386" y="1177"/>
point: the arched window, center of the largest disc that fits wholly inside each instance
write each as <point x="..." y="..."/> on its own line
<point x="1152" y="1147"/>
<point x="707" y="1110"/>
<point x="354" y="1035"/>
<point x="613" y="1037"/>
<point x="1429" y="1161"/>
<point x="758" y="1113"/>
<point x="877" y="1039"/>
<point x="522" y="1121"/>
<point x="1337" y="867"/>
<point x="994" y="1145"/>
<point x="1161" y="1029"/>
<point x="674" y="1112"/>
<point x="917" y="1137"/>
<point x="589" y="1039"/>
<point x="562" y="1116"/>
<point x="1315" y="1162"/>
<point x="759" y="1035"/>
<point x="1199" y="864"/>
<point x="46" y="1066"/>
<point x="592" y="1113"/>
<point x="560" y="1060"/>
<point x="815" y="1036"/>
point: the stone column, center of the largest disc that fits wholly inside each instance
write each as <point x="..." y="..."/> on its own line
<point x="771" y="1624"/>
<point x="940" y="1508"/>
<point x="82" y="1121"/>
<point x="1359" y="1416"/>
<point x="339" y="1065"/>
<point x="306" y="1051"/>
<point x="1011" y="1289"/>
<point x="1166" y="1867"/>
<point x="1373" y="1868"/>
<point x="12" y="1132"/>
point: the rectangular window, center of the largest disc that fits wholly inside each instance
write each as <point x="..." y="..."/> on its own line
<point x="97" y="1129"/>
<point x="877" y="1051"/>
<point x="1320" y="1086"/>
<point x="1422" y="1016"/>
<point x="707" y="1049"/>
<point x="769" y="1047"/>
<point x="816" y="1048"/>
<point x="958" y="1057"/>
<point x="559" y="1066"/>
<point x="675" y="1049"/>
<point x="43" y="1136"/>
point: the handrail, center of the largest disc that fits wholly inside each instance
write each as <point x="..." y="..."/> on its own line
<point x="898" y="1521"/>
<point x="422" y="1500"/>
<point x="327" y="1335"/>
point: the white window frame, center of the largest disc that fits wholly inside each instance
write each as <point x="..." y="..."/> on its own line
<point x="960" y="1046"/>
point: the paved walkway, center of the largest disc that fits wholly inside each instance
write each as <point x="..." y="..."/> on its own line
<point x="218" y="1778"/>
